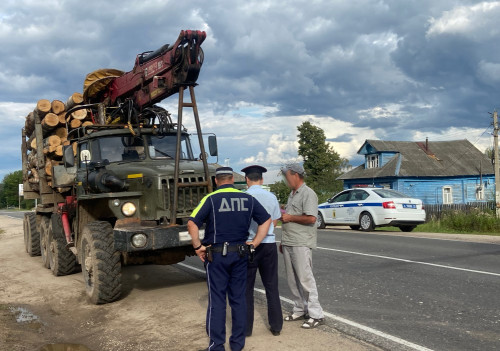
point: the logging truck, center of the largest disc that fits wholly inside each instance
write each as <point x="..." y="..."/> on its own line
<point x="116" y="179"/>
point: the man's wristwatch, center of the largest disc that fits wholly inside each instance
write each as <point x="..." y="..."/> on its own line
<point x="197" y="248"/>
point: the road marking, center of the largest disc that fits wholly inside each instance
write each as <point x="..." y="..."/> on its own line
<point x="416" y="237"/>
<point x="411" y="261"/>
<point x="341" y="320"/>
<point x="13" y="217"/>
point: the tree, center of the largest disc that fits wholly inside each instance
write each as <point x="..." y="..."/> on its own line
<point x="10" y="189"/>
<point x="281" y="190"/>
<point x="323" y="165"/>
<point x="489" y="152"/>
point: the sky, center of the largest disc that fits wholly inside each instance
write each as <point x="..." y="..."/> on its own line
<point x="359" y="69"/>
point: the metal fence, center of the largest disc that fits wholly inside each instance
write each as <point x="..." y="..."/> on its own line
<point x="435" y="211"/>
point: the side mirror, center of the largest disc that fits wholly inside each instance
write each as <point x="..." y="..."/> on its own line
<point x="68" y="156"/>
<point x="212" y="145"/>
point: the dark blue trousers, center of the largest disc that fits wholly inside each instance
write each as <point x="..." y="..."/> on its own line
<point x="226" y="277"/>
<point x="266" y="262"/>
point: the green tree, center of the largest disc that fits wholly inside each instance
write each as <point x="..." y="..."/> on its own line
<point x="322" y="163"/>
<point x="10" y="189"/>
<point x="281" y="190"/>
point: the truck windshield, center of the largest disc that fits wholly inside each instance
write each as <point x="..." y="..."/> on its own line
<point x="162" y="147"/>
<point x="120" y="148"/>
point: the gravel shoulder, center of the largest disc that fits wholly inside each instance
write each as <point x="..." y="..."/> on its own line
<point x="162" y="308"/>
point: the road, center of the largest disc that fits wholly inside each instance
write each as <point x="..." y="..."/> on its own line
<point x="161" y="308"/>
<point x="424" y="293"/>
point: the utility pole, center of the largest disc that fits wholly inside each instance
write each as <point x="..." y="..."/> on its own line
<point x="497" y="163"/>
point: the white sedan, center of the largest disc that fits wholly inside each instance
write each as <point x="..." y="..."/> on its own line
<point x="367" y="208"/>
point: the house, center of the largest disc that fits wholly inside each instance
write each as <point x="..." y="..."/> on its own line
<point x="437" y="172"/>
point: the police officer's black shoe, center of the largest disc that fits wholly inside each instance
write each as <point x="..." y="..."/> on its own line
<point x="275" y="332"/>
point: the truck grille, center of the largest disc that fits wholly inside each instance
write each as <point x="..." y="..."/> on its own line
<point x="189" y="197"/>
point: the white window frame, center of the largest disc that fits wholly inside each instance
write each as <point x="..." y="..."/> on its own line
<point x="372" y="161"/>
<point x="479" y="192"/>
<point x="447" y="197"/>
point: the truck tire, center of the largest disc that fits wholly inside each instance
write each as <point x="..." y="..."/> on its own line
<point x="366" y="222"/>
<point x="31" y="234"/>
<point x="44" y="240"/>
<point x="101" y="263"/>
<point x="320" y="222"/>
<point x="62" y="260"/>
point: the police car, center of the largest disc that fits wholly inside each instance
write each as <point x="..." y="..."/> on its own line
<point x="367" y="208"/>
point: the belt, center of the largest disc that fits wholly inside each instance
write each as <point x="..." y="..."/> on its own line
<point x="230" y="248"/>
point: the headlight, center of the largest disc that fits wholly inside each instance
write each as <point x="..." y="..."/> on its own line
<point x="128" y="209"/>
<point x="139" y="240"/>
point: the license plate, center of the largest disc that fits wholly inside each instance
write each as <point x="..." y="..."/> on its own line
<point x="409" y="206"/>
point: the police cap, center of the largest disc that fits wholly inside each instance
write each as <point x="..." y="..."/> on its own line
<point x="254" y="169"/>
<point x="223" y="170"/>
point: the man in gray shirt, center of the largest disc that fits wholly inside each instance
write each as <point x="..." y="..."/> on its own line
<point x="298" y="240"/>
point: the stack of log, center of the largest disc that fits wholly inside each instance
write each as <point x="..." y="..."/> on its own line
<point x="55" y="129"/>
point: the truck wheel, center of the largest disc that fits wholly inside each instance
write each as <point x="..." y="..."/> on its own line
<point x="101" y="265"/>
<point x="62" y="260"/>
<point x="320" y="222"/>
<point x="31" y="234"/>
<point x="366" y="222"/>
<point x="44" y="240"/>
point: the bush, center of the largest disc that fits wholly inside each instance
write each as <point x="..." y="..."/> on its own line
<point x="476" y="221"/>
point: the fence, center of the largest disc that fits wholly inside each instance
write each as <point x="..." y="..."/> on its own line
<point x="435" y="211"/>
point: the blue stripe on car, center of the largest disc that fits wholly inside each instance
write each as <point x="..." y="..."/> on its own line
<point x="357" y="204"/>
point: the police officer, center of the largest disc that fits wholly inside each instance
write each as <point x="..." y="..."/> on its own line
<point x="227" y="213"/>
<point x="266" y="255"/>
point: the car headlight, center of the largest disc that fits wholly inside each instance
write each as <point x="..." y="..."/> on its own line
<point x="139" y="240"/>
<point x="128" y="209"/>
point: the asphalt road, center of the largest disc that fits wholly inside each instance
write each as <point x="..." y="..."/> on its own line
<point x="15" y="214"/>
<point x="434" y="294"/>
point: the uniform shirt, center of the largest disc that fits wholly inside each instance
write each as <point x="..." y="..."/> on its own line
<point x="228" y="213"/>
<point x="270" y="203"/>
<point x="303" y="202"/>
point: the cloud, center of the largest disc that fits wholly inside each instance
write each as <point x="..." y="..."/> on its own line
<point x="367" y="69"/>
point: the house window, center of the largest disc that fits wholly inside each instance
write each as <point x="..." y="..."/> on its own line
<point x="479" y="192"/>
<point x="447" y="195"/>
<point x="372" y="161"/>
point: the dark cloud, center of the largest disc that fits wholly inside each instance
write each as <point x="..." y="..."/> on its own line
<point x="392" y="66"/>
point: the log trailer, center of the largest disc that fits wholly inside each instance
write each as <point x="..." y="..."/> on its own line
<point x="127" y="179"/>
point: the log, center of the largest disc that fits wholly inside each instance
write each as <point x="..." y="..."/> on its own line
<point x="33" y="144"/>
<point x="59" y="151"/>
<point x="62" y="133"/>
<point x="75" y="123"/>
<point x="49" y="123"/>
<point x="58" y="107"/>
<point x="48" y="167"/>
<point x="52" y="140"/>
<point x="79" y="114"/>
<point x="32" y="160"/>
<point x="29" y="125"/>
<point x="73" y="100"/>
<point x="29" y="143"/>
<point x="87" y="123"/>
<point x="74" y="145"/>
<point x="62" y="118"/>
<point x="66" y="143"/>
<point x="43" y="107"/>
<point x="34" y="174"/>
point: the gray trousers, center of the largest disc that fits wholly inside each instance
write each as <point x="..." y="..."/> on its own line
<point x="298" y="267"/>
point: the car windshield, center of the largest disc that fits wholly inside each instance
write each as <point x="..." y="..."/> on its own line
<point x="387" y="193"/>
<point x="161" y="147"/>
<point x="119" y="148"/>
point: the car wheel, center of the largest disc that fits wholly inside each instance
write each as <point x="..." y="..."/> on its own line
<point x="320" y="222"/>
<point x="354" y="227"/>
<point x="407" y="228"/>
<point x="366" y="222"/>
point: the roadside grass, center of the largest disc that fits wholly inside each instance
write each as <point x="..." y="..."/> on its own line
<point x="455" y="222"/>
<point x="2" y="231"/>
